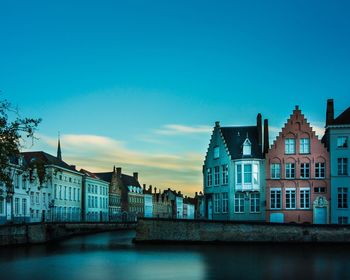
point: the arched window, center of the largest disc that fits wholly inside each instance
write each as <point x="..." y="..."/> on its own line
<point x="247" y="148"/>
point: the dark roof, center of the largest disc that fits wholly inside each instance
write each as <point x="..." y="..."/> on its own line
<point x="343" y="118"/>
<point x="235" y="137"/>
<point x="47" y="159"/>
<point x="126" y="179"/>
<point x="89" y="174"/>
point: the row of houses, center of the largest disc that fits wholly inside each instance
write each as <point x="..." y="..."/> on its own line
<point x="45" y="188"/>
<point x="298" y="179"/>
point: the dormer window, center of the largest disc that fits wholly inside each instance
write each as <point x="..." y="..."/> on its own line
<point x="216" y="152"/>
<point x="247" y="148"/>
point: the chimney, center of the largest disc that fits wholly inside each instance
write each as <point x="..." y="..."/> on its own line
<point x="119" y="172"/>
<point x="136" y="176"/>
<point x="266" y="136"/>
<point x="144" y="187"/>
<point x="330" y="112"/>
<point x="150" y="188"/>
<point x="259" y="126"/>
<point x="217" y="124"/>
<point x="114" y="169"/>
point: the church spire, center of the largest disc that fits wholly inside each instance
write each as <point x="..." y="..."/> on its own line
<point x="59" y="153"/>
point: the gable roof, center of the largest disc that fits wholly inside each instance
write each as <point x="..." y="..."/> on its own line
<point x="89" y="174"/>
<point x="47" y="159"/>
<point x="343" y="118"/>
<point x="235" y="137"/>
<point x="126" y="179"/>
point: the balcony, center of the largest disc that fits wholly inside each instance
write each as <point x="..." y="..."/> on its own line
<point x="247" y="187"/>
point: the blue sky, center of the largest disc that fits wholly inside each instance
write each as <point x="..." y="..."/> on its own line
<point x="139" y="83"/>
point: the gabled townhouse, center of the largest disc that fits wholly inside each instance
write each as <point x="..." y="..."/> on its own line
<point x="297" y="175"/>
<point x="148" y="201"/>
<point x="95" y="198"/>
<point x="176" y="199"/>
<point x="189" y="208"/>
<point x="57" y="184"/>
<point x="337" y="140"/>
<point x="14" y="199"/>
<point x="162" y="206"/>
<point x="131" y="194"/>
<point x="234" y="173"/>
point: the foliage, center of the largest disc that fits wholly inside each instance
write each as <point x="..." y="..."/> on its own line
<point x="13" y="133"/>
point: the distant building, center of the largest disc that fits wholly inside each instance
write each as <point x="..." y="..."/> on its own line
<point x="14" y="199"/>
<point x="95" y="198"/>
<point x="337" y="140"/>
<point x="234" y="173"/>
<point x="57" y="184"/>
<point x="162" y="206"/>
<point x="189" y="208"/>
<point x="148" y="201"/>
<point x="199" y="205"/>
<point x="176" y="199"/>
<point x="114" y="193"/>
<point x="297" y="171"/>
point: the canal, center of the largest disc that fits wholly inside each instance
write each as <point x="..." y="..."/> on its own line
<point x="112" y="255"/>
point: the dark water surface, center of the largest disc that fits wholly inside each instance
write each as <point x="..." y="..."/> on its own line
<point x="113" y="256"/>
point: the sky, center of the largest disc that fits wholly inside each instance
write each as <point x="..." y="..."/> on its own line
<point x="140" y="83"/>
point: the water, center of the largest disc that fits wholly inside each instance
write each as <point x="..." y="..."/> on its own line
<point x="113" y="256"/>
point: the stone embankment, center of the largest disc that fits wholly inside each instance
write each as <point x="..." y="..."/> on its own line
<point x="21" y="234"/>
<point x="194" y="231"/>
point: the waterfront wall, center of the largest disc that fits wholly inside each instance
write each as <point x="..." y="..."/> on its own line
<point x="45" y="232"/>
<point x="192" y="231"/>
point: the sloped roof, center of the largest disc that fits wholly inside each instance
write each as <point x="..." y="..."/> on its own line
<point x="343" y="118"/>
<point x="235" y="137"/>
<point x="89" y="174"/>
<point x="126" y="179"/>
<point x="47" y="159"/>
<point x="105" y="176"/>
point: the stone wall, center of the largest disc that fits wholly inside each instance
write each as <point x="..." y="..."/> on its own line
<point x="45" y="232"/>
<point x="165" y="230"/>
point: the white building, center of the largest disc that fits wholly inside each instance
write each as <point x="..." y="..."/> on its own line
<point x="14" y="200"/>
<point x="95" y="198"/>
<point x="60" y="188"/>
<point x="148" y="201"/>
<point x="179" y="207"/>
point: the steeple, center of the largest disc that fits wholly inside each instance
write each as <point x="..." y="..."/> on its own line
<point x="59" y="153"/>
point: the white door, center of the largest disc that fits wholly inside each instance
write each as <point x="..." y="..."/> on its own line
<point x="210" y="210"/>
<point x="276" y="218"/>
<point x="320" y="215"/>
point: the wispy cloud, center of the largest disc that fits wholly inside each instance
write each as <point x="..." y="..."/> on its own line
<point x="99" y="153"/>
<point x="178" y="129"/>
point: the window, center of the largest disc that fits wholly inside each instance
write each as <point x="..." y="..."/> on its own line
<point x="32" y="198"/>
<point x="275" y="171"/>
<point x="239" y="202"/>
<point x="255" y="203"/>
<point x="225" y="203"/>
<point x="37" y="198"/>
<point x="55" y="190"/>
<point x="70" y="193"/>
<point x="304" y="145"/>
<point x="342" y="142"/>
<point x="225" y="174"/>
<point x="216" y="152"/>
<point x="60" y="192"/>
<point x="319" y="190"/>
<point x="255" y="174"/>
<point x="44" y="198"/>
<point x="216" y="203"/>
<point x="342" y="166"/>
<point x="247" y="148"/>
<point x="275" y="198"/>
<point x="342" y="198"/>
<point x="304" y="170"/>
<point x="216" y="175"/>
<point x="16" y="206"/>
<point x="304" y="198"/>
<point x="239" y="174"/>
<point x="290" y="198"/>
<point x="290" y="170"/>
<point x="290" y="146"/>
<point x="24" y="206"/>
<point x="247" y="173"/>
<point x="65" y="193"/>
<point x="320" y="168"/>
<point x="343" y="220"/>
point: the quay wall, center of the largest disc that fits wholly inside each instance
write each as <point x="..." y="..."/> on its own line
<point x="194" y="231"/>
<point x="22" y="234"/>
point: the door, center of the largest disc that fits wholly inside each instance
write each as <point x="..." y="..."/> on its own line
<point x="276" y="218"/>
<point x="320" y="215"/>
<point x="210" y="210"/>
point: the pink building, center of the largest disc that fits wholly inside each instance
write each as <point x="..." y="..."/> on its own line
<point x="297" y="175"/>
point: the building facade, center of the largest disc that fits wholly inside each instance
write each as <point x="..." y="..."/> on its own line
<point x="95" y="198"/>
<point x="297" y="170"/>
<point x="148" y="201"/>
<point x="162" y="207"/>
<point x="337" y="140"/>
<point x="234" y="173"/>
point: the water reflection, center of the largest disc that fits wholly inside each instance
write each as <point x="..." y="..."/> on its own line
<point x="113" y="256"/>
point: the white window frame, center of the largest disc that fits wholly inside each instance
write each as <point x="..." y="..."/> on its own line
<point x="247" y="148"/>
<point x="275" y="194"/>
<point x="304" y="146"/>
<point x="216" y="152"/>
<point x="320" y="169"/>
<point x="216" y="203"/>
<point x="217" y="176"/>
<point x="289" y="200"/>
<point x="224" y="202"/>
<point x="275" y="170"/>
<point x="304" y="168"/>
<point x="225" y="174"/>
<point x="239" y="202"/>
<point x="345" y="143"/>
<point x="255" y="202"/>
<point x="343" y="166"/>
<point x="290" y="170"/>
<point x="304" y="194"/>
<point x="289" y="146"/>
<point x="209" y="177"/>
